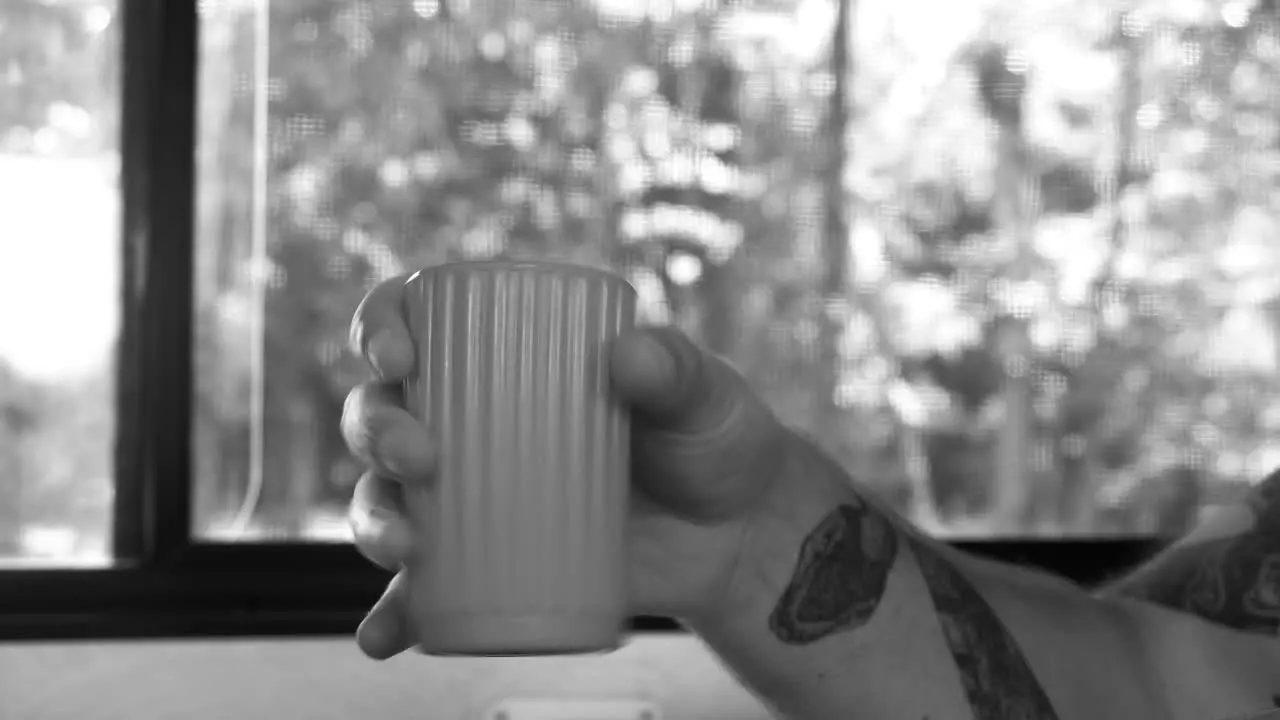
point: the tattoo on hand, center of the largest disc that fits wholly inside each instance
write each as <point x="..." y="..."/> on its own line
<point x="1231" y="581"/>
<point x="840" y="577"/>
<point x="996" y="677"/>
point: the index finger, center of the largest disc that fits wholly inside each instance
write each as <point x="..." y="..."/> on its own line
<point x="379" y="332"/>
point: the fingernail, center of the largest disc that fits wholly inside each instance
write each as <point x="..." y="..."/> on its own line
<point x="369" y="522"/>
<point x="381" y="517"/>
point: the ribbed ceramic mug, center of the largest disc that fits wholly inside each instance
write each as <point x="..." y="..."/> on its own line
<point x="521" y="536"/>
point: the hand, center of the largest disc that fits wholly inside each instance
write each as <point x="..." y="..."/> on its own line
<point x="705" y="453"/>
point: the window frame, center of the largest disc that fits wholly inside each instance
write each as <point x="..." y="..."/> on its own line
<point x="164" y="584"/>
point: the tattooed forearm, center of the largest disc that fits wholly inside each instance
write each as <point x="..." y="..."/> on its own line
<point x="1231" y="581"/>
<point x="996" y="678"/>
<point x="840" y="577"/>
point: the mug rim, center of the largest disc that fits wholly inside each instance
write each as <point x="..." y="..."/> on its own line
<point x="514" y="264"/>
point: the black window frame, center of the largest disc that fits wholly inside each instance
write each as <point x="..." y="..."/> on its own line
<point x="165" y="584"/>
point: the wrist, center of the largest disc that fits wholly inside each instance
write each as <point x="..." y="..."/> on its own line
<point x="807" y="487"/>
<point x="818" y="647"/>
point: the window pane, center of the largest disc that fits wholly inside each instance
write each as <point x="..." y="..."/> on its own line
<point x="59" y="278"/>
<point x="1059" y="313"/>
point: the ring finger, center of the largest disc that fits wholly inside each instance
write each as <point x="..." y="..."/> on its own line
<point x="378" y="521"/>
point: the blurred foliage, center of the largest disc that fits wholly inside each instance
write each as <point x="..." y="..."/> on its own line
<point x="59" y="88"/>
<point x="59" y="76"/>
<point x="1059" y="313"/>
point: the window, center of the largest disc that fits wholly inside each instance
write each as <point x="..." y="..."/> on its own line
<point x="1011" y="265"/>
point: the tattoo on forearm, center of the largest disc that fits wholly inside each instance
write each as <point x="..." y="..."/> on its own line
<point x="1231" y="581"/>
<point x="840" y="577"/>
<point x="996" y="677"/>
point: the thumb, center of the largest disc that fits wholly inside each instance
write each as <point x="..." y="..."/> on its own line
<point x="704" y="444"/>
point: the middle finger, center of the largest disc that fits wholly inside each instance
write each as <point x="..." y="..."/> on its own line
<point x="384" y="435"/>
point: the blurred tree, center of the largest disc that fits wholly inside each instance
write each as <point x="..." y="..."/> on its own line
<point x="1058" y="310"/>
<point x="19" y="416"/>
<point x="59" y="87"/>
<point x="59" y="70"/>
<point x="403" y="134"/>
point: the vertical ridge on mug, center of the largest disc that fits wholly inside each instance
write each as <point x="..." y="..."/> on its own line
<point x="549" y="499"/>
<point x="576" y="414"/>
<point x="528" y="517"/>
<point x="503" y="422"/>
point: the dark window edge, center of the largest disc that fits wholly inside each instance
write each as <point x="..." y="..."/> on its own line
<point x="154" y="360"/>
<point x="325" y="590"/>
